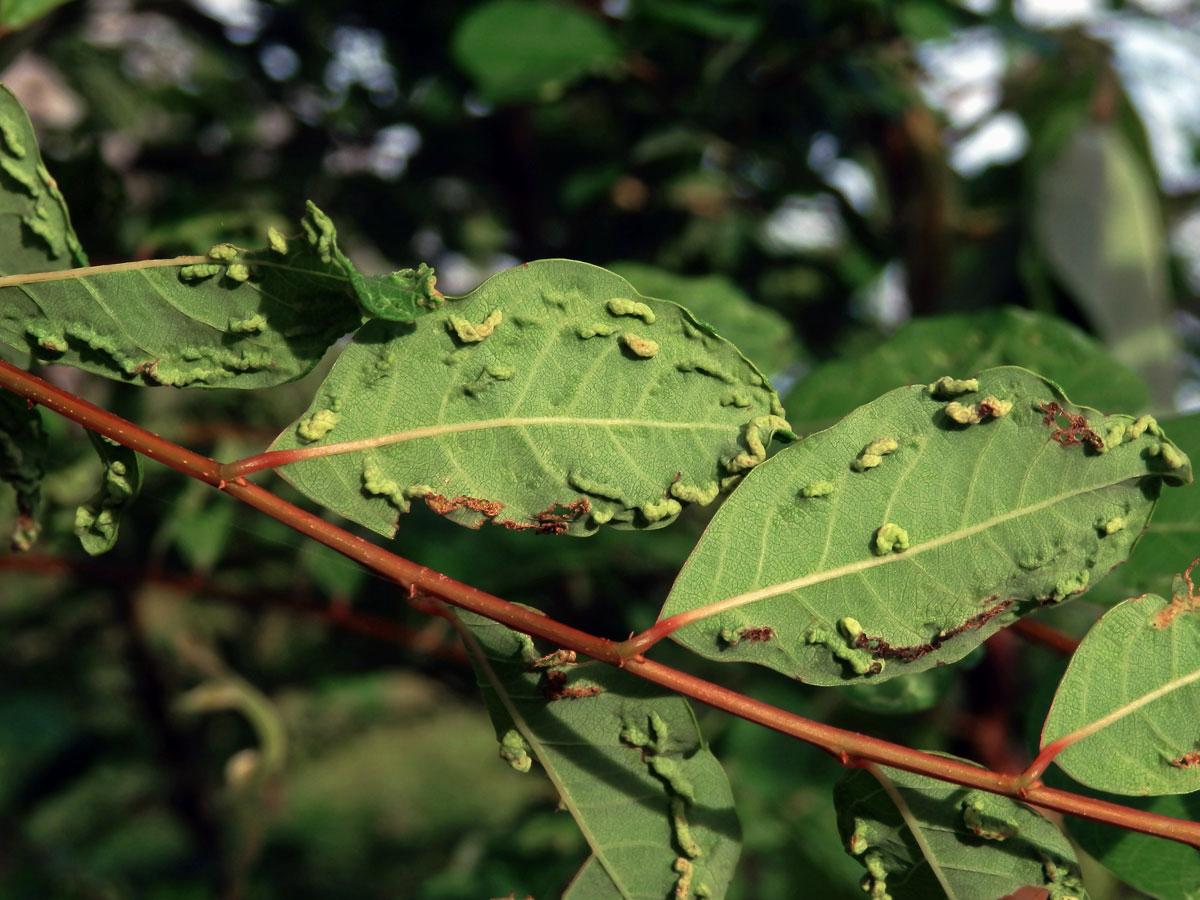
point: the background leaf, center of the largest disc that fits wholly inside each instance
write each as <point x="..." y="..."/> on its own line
<point x="1099" y="224"/>
<point x="525" y="49"/>
<point x="602" y="408"/>
<point x="984" y="846"/>
<point x="929" y="549"/>
<point x="1137" y="647"/>
<point x="763" y="335"/>
<point x="924" y="349"/>
<point x="628" y="761"/>
<point x="23" y="448"/>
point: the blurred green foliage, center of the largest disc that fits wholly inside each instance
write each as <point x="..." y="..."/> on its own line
<point x="803" y="155"/>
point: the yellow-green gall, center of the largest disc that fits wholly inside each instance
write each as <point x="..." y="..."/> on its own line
<point x="640" y="346"/>
<point x="818" y="489"/>
<point x="223" y="252"/>
<point x="1141" y="426"/>
<point x="1173" y="458"/>
<point x="1071" y="584"/>
<point x="1113" y="525"/>
<point x="317" y="425"/>
<point x="619" y="306"/>
<point x="890" y="538"/>
<point x="683" y="834"/>
<point x="277" y="241"/>
<point x="500" y="373"/>
<point x="699" y="495"/>
<point x="977" y="412"/>
<point x="873" y="454"/>
<point x="757" y="435"/>
<point x="657" y="510"/>
<point x="249" y="325"/>
<point x="238" y="272"/>
<point x="596" y="329"/>
<point x="515" y="751"/>
<point x="946" y="387"/>
<point x="468" y="332"/>
<point x="601" y="516"/>
<point x="740" y="399"/>
<point x="850" y="629"/>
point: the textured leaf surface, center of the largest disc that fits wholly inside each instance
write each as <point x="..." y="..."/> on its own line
<point x="35" y="229"/>
<point x="1164" y="869"/>
<point x="1140" y="649"/>
<point x="838" y="559"/>
<point x="629" y="764"/>
<point x="23" y="448"/>
<point x="526" y="49"/>
<point x="97" y="521"/>
<point x="1172" y="537"/>
<point x="243" y="319"/>
<point x="552" y="397"/>
<point x="949" y="841"/>
<point x="924" y="349"/>
<point x="762" y="334"/>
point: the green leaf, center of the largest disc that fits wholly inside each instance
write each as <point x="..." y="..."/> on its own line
<point x="1172" y="537"/>
<point x="627" y="759"/>
<point x="923" y="349"/>
<point x="762" y="334"/>
<point x="244" y="319"/>
<point x="35" y="228"/>
<point x="712" y="18"/>
<point x="900" y="539"/>
<point x="518" y="50"/>
<point x="23" y="449"/>
<point x="921" y="839"/>
<point x="1135" y="678"/>
<point x="1166" y="870"/>
<point x="16" y="14"/>
<point x="1099" y="224"/>
<point x="550" y="398"/>
<point x="97" y="521"/>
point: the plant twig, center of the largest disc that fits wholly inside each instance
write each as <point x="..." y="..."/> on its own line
<point x="850" y="747"/>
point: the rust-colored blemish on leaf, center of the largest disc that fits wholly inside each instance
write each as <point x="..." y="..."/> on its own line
<point x="1077" y="431"/>
<point x="554" y="687"/>
<point x="1187" y="760"/>
<point x="757" y="635"/>
<point x="881" y="647"/>
<point x="1182" y="601"/>
<point x="555" y="520"/>
<point x="440" y="505"/>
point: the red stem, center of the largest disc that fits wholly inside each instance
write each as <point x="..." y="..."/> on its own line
<point x="851" y="748"/>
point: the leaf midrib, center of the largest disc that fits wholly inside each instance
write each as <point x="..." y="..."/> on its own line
<point x="703" y="612"/>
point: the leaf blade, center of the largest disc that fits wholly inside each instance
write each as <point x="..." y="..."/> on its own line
<point x="541" y="367"/>
<point x="597" y="732"/>
<point x="855" y="596"/>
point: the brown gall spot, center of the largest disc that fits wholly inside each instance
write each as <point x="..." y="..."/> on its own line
<point x="758" y="635"/>
<point x="554" y="687"/>
<point x="555" y="520"/>
<point x="440" y="505"/>
<point x="882" y="648"/>
<point x="1077" y="430"/>
<point x="1186" y="761"/>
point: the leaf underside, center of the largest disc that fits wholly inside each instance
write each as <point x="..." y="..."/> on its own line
<point x="1137" y="647"/>
<point x="982" y="846"/>
<point x="603" y="737"/>
<point x="192" y="325"/>
<point x="829" y="566"/>
<point x="551" y="398"/>
<point x="98" y="521"/>
<point x="23" y="450"/>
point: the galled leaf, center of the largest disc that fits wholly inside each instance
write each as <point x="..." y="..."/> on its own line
<point x="550" y="398"/>
<point x="1138" y="670"/>
<point x="919" y="525"/>
<point x="244" y="319"/>
<point x="627" y="759"/>
<point x="97" y="521"/>
<point x="923" y="349"/>
<point x="921" y="839"/>
<point x="35" y="229"/>
<point x="23" y="448"/>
